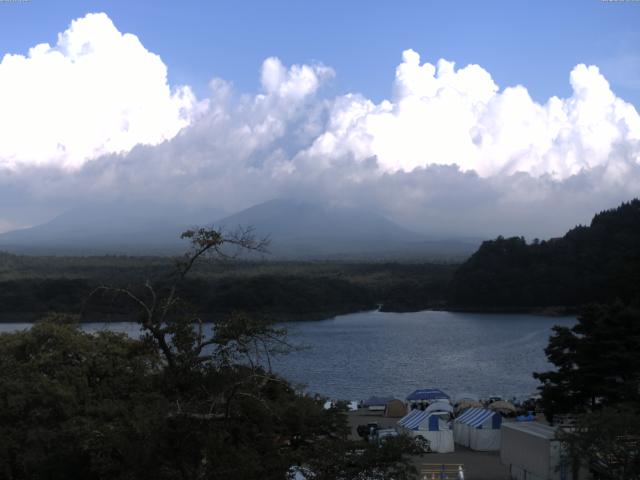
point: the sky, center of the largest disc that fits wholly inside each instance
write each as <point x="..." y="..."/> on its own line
<point x="452" y="118"/>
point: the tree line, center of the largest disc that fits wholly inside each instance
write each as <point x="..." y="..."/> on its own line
<point x="595" y="263"/>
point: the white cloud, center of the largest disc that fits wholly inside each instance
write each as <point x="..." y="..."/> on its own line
<point x="97" y="91"/>
<point x="444" y="116"/>
<point x="449" y="153"/>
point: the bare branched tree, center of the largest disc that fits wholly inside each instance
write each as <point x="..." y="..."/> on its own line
<point x="157" y="308"/>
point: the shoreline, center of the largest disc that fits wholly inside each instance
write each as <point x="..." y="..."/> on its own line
<point x="286" y="317"/>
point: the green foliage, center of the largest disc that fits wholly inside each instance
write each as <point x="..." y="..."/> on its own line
<point x="343" y="460"/>
<point x="598" y="263"/>
<point x="73" y="405"/>
<point x="607" y="442"/>
<point x="180" y="403"/>
<point x="280" y="290"/>
<point x="597" y="361"/>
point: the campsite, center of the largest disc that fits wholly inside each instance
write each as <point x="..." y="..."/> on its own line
<point x="463" y="436"/>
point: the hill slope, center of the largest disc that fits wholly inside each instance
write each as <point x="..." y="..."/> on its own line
<point x="297" y="230"/>
<point x="594" y="263"/>
<point x="300" y="229"/>
<point x="114" y="228"/>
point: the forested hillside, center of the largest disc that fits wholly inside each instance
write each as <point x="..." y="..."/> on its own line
<point x="595" y="263"/>
<point x="30" y="286"/>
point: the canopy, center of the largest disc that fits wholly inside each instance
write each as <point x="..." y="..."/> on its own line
<point x="428" y="394"/>
<point x="503" y="407"/>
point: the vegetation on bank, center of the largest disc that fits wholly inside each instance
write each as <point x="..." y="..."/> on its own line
<point x="595" y="263"/>
<point x="596" y="383"/>
<point x="280" y="290"/>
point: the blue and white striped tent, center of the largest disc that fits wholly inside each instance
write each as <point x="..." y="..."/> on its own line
<point x="477" y="418"/>
<point x="478" y="429"/>
<point x="420" y="423"/>
<point x="420" y="420"/>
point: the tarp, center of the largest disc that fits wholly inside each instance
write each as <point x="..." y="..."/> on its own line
<point x="428" y="394"/>
<point x="419" y="423"/>
<point x="478" y="429"/>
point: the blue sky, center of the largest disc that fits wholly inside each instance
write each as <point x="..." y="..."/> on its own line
<point x="534" y="43"/>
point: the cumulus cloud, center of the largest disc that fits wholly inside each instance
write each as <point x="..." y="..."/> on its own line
<point x="444" y="116"/>
<point x="449" y="153"/>
<point x="96" y="91"/>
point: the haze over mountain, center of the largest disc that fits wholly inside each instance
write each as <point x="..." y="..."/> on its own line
<point x="297" y="229"/>
<point x="118" y="228"/>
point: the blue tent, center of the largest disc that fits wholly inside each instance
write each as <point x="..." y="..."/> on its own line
<point x="427" y="394"/>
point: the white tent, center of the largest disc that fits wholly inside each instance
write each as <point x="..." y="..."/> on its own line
<point x="478" y="429"/>
<point x="465" y="396"/>
<point x="440" y="406"/>
<point x="420" y="423"/>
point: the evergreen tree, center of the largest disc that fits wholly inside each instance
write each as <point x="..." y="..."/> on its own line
<point x="597" y="361"/>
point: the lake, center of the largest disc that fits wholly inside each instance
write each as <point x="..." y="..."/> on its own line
<point x="378" y="353"/>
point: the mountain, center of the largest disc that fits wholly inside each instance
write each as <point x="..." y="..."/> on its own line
<point x="117" y="228"/>
<point x="595" y="263"/>
<point x="303" y="229"/>
<point x="297" y="230"/>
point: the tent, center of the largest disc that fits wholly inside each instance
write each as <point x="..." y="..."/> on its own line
<point x="395" y="409"/>
<point x="419" y="423"/>
<point x="465" y="396"/>
<point x="467" y="403"/>
<point x="478" y="429"/>
<point x="440" y="407"/>
<point x="376" y="403"/>
<point x="428" y="395"/>
<point x="505" y="408"/>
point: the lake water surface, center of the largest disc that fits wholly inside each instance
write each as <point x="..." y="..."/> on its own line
<point x="377" y="353"/>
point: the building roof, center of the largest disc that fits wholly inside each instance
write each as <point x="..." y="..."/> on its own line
<point x="532" y="428"/>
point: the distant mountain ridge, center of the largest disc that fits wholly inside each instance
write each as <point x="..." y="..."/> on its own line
<point x="297" y="229"/>
<point x="595" y="263"/>
<point x="114" y="228"/>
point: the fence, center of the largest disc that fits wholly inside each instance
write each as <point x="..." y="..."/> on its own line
<point x="442" y="471"/>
